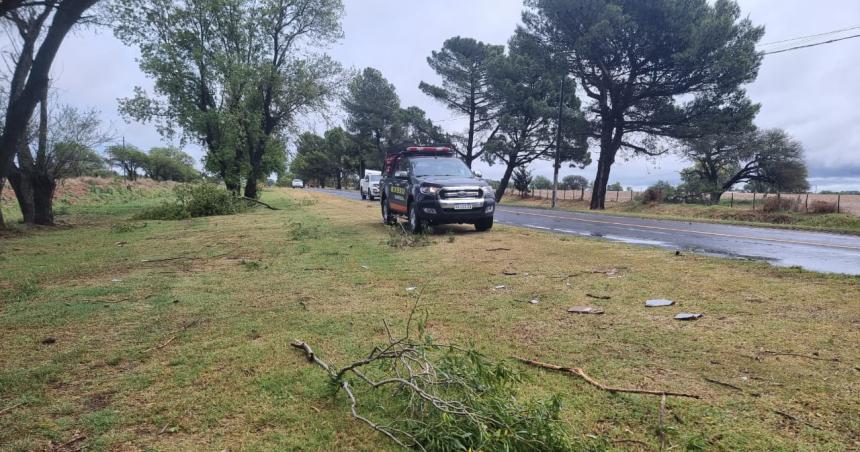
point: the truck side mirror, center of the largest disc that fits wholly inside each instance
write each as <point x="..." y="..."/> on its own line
<point x="478" y="174"/>
<point x="401" y="175"/>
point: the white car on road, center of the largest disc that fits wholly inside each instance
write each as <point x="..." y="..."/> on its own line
<point x="297" y="183"/>
<point x="369" y="185"/>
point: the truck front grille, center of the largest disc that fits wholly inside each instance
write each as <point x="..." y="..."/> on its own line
<point x="462" y="193"/>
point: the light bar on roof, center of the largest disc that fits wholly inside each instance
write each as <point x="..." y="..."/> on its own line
<point x="428" y="149"/>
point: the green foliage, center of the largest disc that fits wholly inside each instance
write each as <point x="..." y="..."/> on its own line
<point x="128" y="158"/>
<point x="652" y="69"/>
<point x="464" y="66"/>
<point x="195" y="200"/>
<point x="239" y="86"/>
<point x="657" y="193"/>
<point x="768" y="160"/>
<point x="522" y="179"/>
<point x="398" y="237"/>
<point x="372" y="107"/>
<point x="615" y="187"/>
<point x="541" y="183"/>
<point x="170" y="164"/>
<point x="574" y="182"/>
<point x="300" y="231"/>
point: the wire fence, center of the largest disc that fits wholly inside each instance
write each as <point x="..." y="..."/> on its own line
<point x="800" y="202"/>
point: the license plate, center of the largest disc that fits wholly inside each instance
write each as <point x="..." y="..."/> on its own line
<point x="462" y="206"/>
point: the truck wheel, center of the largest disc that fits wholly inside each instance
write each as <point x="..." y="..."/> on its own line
<point x="387" y="218"/>
<point x="484" y="225"/>
<point x="363" y="196"/>
<point x="415" y="224"/>
<point x="370" y="196"/>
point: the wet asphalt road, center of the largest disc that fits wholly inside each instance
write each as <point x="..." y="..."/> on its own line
<point x="816" y="251"/>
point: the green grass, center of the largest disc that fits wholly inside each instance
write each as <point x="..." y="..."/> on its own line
<point x="193" y="352"/>
<point x="844" y="223"/>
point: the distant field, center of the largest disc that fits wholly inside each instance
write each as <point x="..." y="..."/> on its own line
<point x="127" y="335"/>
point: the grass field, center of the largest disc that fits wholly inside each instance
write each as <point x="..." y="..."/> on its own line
<point x="127" y="335"/>
<point x="844" y="223"/>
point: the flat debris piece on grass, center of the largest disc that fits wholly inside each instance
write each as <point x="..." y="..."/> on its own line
<point x="688" y="316"/>
<point x="658" y="303"/>
<point x="585" y="310"/>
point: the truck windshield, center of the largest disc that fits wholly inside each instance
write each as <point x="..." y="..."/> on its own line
<point x="374" y="178"/>
<point x="432" y="166"/>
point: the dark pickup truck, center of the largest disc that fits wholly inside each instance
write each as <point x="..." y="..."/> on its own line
<point x="432" y="186"/>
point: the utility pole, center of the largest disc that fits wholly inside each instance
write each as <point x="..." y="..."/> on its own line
<point x="557" y="164"/>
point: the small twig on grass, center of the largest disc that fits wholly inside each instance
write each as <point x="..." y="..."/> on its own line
<point x="598" y="297"/>
<point x="191" y="258"/>
<point x="10" y="408"/>
<point x="662" y="417"/>
<point x="173" y="337"/>
<point x="795" y="419"/>
<point x="581" y="374"/>
<point x="257" y="201"/>
<point x="728" y="385"/>
<point x="499" y="249"/>
<point x="69" y="442"/>
<point x="798" y="355"/>
<point x="630" y="441"/>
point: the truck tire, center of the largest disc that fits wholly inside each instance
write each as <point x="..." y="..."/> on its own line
<point x="416" y="226"/>
<point x="387" y="218"/>
<point x="484" y="225"/>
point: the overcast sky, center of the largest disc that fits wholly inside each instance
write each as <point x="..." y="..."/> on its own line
<point x="812" y="93"/>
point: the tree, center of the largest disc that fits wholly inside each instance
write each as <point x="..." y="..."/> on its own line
<point x="522" y="180"/>
<point x="60" y="147"/>
<point x="613" y="187"/>
<point x="31" y="67"/>
<point x="463" y="64"/>
<point x="128" y="158"/>
<point x="232" y="74"/>
<point x="653" y="70"/>
<point x="525" y="85"/>
<point x="770" y="158"/>
<point x="312" y="161"/>
<point x="574" y="182"/>
<point x="169" y="163"/>
<point x="541" y="183"/>
<point x="338" y="147"/>
<point x="373" y="109"/>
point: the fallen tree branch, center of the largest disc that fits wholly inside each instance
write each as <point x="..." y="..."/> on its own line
<point x="312" y="357"/>
<point x="499" y="249"/>
<point x="728" y="385"/>
<point x="795" y="419"/>
<point x="257" y="201"/>
<point x="10" y="408"/>
<point x="173" y="337"/>
<point x="598" y="297"/>
<point x="581" y="374"/>
<point x="798" y="355"/>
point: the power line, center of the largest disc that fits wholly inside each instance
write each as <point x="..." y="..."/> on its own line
<point x="811" y="45"/>
<point x="811" y="36"/>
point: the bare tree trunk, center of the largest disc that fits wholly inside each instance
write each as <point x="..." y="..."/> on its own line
<point x="598" y="191"/>
<point x="503" y="184"/>
<point x="2" y="185"/>
<point x="43" y="188"/>
<point x="715" y="197"/>
<point x="21" y="184"/>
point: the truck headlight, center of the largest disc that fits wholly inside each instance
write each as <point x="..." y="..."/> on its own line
<point x="429" y="189"/>
<point x="488" y="191"/>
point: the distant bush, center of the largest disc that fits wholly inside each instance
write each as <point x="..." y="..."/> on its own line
<point x="822" y="207"/>
<point x="777" y="204"/>
<point x="657" y="193"/>
<point x="195" y="200"/>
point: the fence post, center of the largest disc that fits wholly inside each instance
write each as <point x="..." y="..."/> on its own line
<point x="753" y="200"/>
<point x="617" y="194"/>
<point x="631" y="195"/>
<point x="806" y="203"/>
<point x="838" y="199"/>
<point x="732" y="201"/>
<point x="582" y="193"/>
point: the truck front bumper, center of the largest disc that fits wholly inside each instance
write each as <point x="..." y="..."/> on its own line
<point x="436" y="211"/>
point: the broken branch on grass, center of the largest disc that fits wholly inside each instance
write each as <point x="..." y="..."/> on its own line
<point x="728" y="385"/>
<point x="257" y="201"/>
<point x="10" y="408"/>
<point x="598" y="297"/>
<point x="795" y="419"/>
<point x="173" y="337"/>
<point x="191" y="258"/>
<point x="581" y="374"/>
<point x="499" y="249"/>
<point x="798" y="355"/>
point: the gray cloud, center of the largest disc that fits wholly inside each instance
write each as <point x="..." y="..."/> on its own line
<point x="811" y="93"/>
